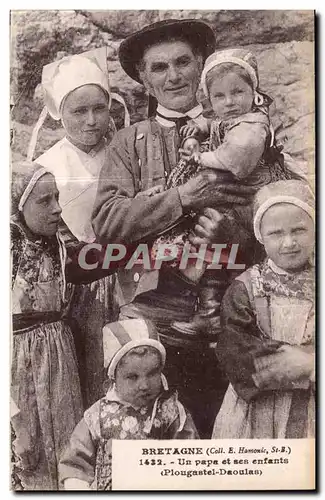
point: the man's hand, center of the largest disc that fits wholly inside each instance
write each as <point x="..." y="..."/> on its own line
<point x="207" y="227"/>
<point x="204" y="191"/>
<point x="150" y="191"/>
<point x="290" y="365"/>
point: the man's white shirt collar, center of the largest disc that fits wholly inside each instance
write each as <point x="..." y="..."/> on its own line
<point x="195" y="112"/>
<point x="169" y="113"/>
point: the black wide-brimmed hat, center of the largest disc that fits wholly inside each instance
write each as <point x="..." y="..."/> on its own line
<point x="197" y="33"/>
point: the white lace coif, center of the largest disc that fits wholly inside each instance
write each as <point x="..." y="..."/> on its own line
<point x="62" y="77"/>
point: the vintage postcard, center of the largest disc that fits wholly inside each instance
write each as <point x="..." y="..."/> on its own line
<point x="162" y="250"/>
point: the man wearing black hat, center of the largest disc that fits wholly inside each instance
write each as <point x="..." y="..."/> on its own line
<point x="167" y="57"/>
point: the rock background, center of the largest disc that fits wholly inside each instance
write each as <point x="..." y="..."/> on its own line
<point x="282" y="41"/>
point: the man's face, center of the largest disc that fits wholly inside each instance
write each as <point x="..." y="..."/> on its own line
<point x="171" y="73"/>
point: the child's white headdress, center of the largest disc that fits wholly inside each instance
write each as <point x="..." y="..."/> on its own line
<point x="122" y="336"/>
<point x="239" y="56"/>
<point x="62" y="77"/>
<point x="294" y="192"/>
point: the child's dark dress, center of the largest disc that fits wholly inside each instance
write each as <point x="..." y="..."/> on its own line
<point x="262" y="309"/>
<point x="44" y="374"/>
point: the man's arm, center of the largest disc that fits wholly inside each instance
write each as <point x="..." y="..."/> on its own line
<point x="212" y="226"/>
<point x="74" y="272"/>
<point x="119" y="216"/>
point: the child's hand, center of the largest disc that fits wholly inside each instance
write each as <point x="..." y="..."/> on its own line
<point x="151" y="191"/>
<point x="289" y="365"/>
<point x="186" y="155"/>
<point x="189" y="130"/>
<point x="196" y="157"/>
<point x="72" y="483"/>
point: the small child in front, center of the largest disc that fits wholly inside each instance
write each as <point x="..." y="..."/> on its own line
<point x="267" y="344"/>
<point x="138" y="405"/>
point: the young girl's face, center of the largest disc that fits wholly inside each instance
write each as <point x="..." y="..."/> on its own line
<point x="288" y="236"/>
<point x="230" y="96"/>
<point x="42" y="210"/>
<point x="138" y="378"/>
<point x="85" y="116"/>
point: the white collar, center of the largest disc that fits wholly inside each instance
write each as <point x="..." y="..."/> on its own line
<point x="279" y="270"/>
<point x="94" y="151"/>
<point x="195" y="112"/>
<point x="192" y="113"/>
<point x="112" y="395"/>
<point x="275" y="268"/>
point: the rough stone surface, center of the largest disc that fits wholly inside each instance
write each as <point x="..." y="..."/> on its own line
<point x="281" y="40"/>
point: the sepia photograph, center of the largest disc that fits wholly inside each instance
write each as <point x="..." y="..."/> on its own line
<point x="162" y="236"/>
